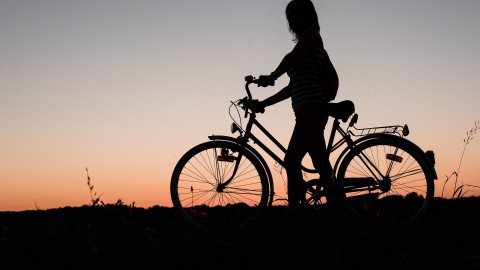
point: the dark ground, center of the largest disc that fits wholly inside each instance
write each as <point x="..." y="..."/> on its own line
<point x="120" y="237"/>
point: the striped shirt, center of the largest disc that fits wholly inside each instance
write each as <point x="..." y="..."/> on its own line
<point x="305" y="78"/>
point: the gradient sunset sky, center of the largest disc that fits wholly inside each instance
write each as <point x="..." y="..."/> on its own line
<point x="124" y="88"/>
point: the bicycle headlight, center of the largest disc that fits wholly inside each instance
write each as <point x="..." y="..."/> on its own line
<point x="234" y="128"/>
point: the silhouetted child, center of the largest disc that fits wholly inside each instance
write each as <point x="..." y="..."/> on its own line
<point x="313" y="82"/>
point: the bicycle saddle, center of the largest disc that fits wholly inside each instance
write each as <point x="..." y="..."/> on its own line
<point x="341" y="110"/>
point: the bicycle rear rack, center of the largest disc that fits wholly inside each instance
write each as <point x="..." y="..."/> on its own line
<point x="399" y="130"/>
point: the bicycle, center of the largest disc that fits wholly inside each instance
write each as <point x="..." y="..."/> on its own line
<point x="225" y="183"/>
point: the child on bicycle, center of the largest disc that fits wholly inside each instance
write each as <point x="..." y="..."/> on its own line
<point x="313" y="82"/>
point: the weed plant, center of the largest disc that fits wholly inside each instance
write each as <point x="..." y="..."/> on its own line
<point x="458" y="188"/>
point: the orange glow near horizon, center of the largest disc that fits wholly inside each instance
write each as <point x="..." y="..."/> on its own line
<point x="149" y="185"/>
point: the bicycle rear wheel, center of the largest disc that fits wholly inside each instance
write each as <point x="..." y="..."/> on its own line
<point x="386" y="178"/>
<point x="197" y="193"/>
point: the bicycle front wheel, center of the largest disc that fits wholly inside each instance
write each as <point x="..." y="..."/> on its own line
<point x="386" y="178"/>
<point x="199" y="192"/>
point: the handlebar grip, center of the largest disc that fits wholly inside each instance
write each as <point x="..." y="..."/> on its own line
<point x="246" y="101"/>
<point x="249" y="78"/>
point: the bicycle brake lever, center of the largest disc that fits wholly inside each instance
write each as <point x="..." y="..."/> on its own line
<point x="243" y="104"/>
<point x="242" y="101"/>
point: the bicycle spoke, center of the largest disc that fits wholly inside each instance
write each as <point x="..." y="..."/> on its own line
<point x="198" y="193"/>
<point x="406" y="174"/>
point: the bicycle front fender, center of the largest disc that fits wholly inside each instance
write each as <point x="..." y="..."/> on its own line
<point x="256" y="154"/>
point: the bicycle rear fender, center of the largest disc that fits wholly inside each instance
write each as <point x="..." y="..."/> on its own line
<point x="257" y="155"/>
<point x="391" y="137"/>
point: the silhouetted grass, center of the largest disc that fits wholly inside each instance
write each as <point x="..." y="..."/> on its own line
<point x="94" y="198"/>
<point x="123" y="237"/>
<point x="458" y="189"/>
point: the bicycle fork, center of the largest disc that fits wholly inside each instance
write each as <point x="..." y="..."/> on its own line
<point x="224" y="156"/>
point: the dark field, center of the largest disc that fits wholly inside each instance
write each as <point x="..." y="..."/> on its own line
<point x="120" y="237"/>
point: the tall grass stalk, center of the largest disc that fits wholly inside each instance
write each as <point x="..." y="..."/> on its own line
<point x="94" y="198"/>
<point x="458" y="191"/>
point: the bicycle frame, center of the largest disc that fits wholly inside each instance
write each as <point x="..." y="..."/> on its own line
<point x="247" y="135"/>
<point x="371" y="183"/>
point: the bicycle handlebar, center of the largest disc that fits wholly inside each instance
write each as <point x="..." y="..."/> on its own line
<point x="248" y="80"/>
